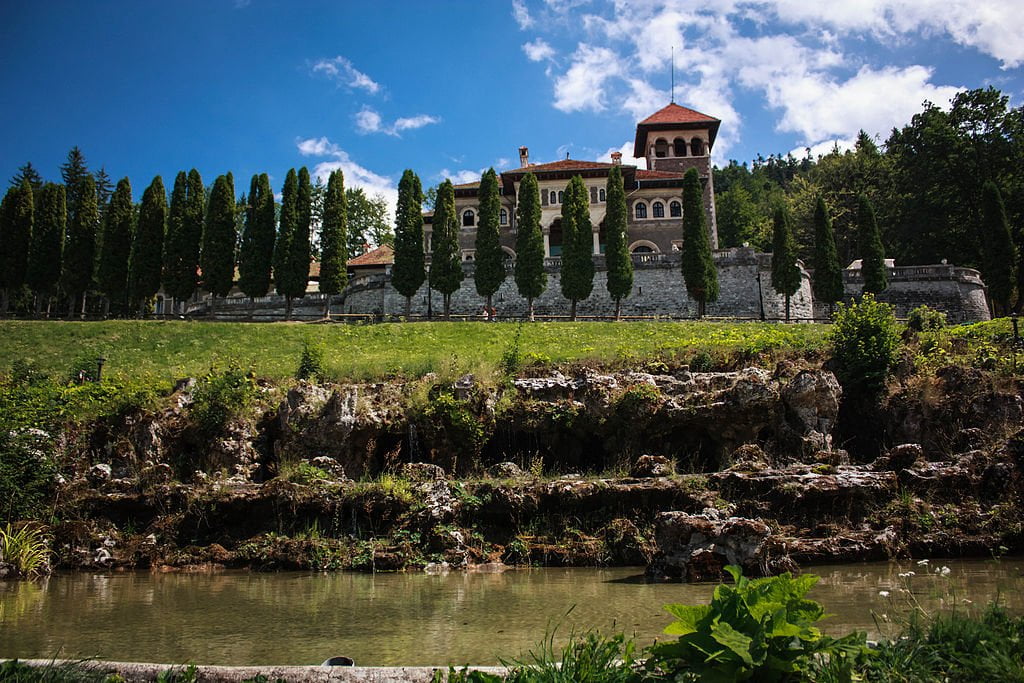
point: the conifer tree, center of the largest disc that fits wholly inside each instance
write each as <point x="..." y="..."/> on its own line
<point x="46" y="252"/>
<point x="490" y="266"/>
<point x="409" y="270"/>
<point x="217" y="258"/>
<point x="998" y="249"/>
<point x="828" y="273"/>
<point x="71" y="172"/>
<point x="619" y="263"/>
<point x="445" y="256"/>
<point x="577" y="273"/>
<point x="80" y="244"/>
<point x="284" y="280"/>
<point x="531" y="280"/>
<point x="256" y="253"/>
<point x="299" y="249"/>
<point x="28" y="172"/>
<point x="184" y="235"/>
<point x="785" y="271"/>
<point x="333" y="271"/>
<point x="104" y="190"/>
<point x="116" y="245"/>
<point x="872" y="253"/>
<point x="147" y="247"/>
<point x="16" y="217"/>
<point x="699" y="272"/>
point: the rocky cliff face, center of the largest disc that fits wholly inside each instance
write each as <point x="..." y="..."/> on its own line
<point x="684" y="471"/>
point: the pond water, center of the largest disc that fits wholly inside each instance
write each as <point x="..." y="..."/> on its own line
<point x="415" y="619"/>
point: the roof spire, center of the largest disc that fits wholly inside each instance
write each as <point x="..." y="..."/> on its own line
<point x="673" y="100"/>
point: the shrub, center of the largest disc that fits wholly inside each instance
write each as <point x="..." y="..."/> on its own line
<point x="221" y="396"/>
<point x="865" y="340"/>
<point x="311" y="363"/>
<point x="27" y="473"/>
<point x="761" y="629"/>
<point x="923" y="318"/>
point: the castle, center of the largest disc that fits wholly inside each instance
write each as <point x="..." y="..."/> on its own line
<point x="672" y="140"/>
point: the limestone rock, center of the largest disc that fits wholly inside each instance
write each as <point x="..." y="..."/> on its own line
<point x="331" y="466"/>
<point x="900" y="457"/>
<point x="505" y="470"/>
<point x="99" y="474"/>
<point x="423" y="471"/>
<point x="652" y="466"/>
<point x="302" y="401"/>
<point x="811" y="406"/>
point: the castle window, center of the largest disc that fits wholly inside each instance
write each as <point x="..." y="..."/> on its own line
<point x="697" y="147"/>
<point x="675" y="210"/>
<point x="640" y="210"/>
<point x="659" y="210"/>
<point x="601" y="195"/>
<point x="679" y="147"/>
<point x="503" y="217"/>
<point x="468" y="218"/>
<point x="661" y="148"/>
<point x="561" y="196"/>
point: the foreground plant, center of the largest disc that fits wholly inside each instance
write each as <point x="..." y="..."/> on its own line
<point x="27" y="550"/>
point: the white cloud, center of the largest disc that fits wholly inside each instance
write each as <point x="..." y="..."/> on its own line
<point x="627" y="155"/>
<point x="460" y="177"/>
<point x="823" y="148"/>
<point x="340" y="70"/>
<point x="538" y="50"/>
<point x="582" y="86"/>
<point x="355" y="175"/>
<point x="521" y="14"/>
<point x="369" y="121"/>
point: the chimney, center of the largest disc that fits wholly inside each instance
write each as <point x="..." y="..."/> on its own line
<point x="617" y="158"/>
<point x="524" y="157"/>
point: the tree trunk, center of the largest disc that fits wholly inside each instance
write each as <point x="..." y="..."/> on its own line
<point x="700" y="309"/>
<point x="408" y="308"/>
<point x="71" y="305"/>
<point x="787" y="308"/>
<point x="572" y="311"/>
<point x="529" y="309"/>
<point x="105" y="307"/>
<point x="618" y="308"/>
<point x="4" y="302"/>
<point x="327" y="307"/>
<point x="39" y="305"/>
<point x="447" y="299"/>
<point x="490" y="316"/>
<point x="288" y="308"/>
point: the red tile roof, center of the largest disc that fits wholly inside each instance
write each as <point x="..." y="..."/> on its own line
<point x="563" y="165"/>
<point x="673" y="113"/>
<point x="383" y="255"/>
<point x="467" y="186"/>
<point x="642" y="174"/>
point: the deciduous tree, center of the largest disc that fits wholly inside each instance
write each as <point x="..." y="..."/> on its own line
<point x="999" y="251"/>
<point x="409" y="270"/>
<point x="531" y="280"/>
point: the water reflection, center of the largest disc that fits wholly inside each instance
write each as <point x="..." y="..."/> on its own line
<point x="293" y="618"/>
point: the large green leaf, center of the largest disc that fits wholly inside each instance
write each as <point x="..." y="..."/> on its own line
<point x="737" y="642"/>
<point x="688" y="618"/>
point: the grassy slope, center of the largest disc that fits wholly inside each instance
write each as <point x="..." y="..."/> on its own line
<point x="168" y="350"/>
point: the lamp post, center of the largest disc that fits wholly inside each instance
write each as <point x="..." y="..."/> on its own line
<point x="99" y="368"/>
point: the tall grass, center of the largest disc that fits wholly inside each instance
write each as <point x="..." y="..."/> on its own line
<point x="27" y="549"/>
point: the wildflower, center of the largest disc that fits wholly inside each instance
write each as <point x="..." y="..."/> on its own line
<point x="945" y="571"/>
<point x="907" y="575"/>
<point x="884" y="594"/>
<point x="922" y="563"/>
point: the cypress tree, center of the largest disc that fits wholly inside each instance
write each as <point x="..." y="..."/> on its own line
<point x="872" y="253"/>
<point x="118" y="232"/>
<point x="333" y="273"/>
<point x="299" y="250"/>
<point x="999" y="251"/>
<point x="617" y="258"/>
<point x="184" y="234"/>
<point x="147" y="248"/>
<point x="577" y="273"/>
<point x="531" y="280"/>
<point x="785" y="271"/>
<point x="217" y="258"/>
<point x="490" y="267"/>
<point x="16" y="214"/>
<point x="80" y="244"/>
<point x="699" y="272"/>
<point x="46" y="252"/>
<point x="256" y="254"/>
<point x="409" y="270"/>
<point x="445" y="256"/>
<point x="283" y="273"/>
<point x="828" y="273"/>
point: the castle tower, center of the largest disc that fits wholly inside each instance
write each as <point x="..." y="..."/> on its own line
<point x="676" y="139"/>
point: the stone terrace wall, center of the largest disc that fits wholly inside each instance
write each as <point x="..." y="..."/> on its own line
<point x="957" y="292"/>
<point x="657" y="290"/>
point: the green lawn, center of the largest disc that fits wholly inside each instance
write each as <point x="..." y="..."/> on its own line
<point x="168" y="350"/>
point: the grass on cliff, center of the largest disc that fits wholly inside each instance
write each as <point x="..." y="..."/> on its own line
<point x="165" y="351"/>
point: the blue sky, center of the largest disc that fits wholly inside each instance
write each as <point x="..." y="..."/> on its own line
<point x="450" y="87"/>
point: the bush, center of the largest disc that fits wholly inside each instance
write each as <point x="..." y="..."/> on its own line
<point x="27" y="473"/>
<point x="865" y="340"/>
<point x="923" y="319"/>
<point x="311" y="363"/>
<point x="221" y="396"/>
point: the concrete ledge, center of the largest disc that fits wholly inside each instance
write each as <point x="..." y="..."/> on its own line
<point x="139" y="671"/>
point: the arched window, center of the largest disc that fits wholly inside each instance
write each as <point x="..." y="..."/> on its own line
<point x="679" y="147"/>
<point x="658" y="210"/>
<point x="601" y="195"/>
<point x="661" y="148"/>
<point x="643" y="249"/>
<point x="503" y="217"/>
<point x="697" y="147"/>
<point x="468" y="218"/>
<point x="640" y="210"/>
<point x="675" y="210"/>
<point x="561" y="196"/>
